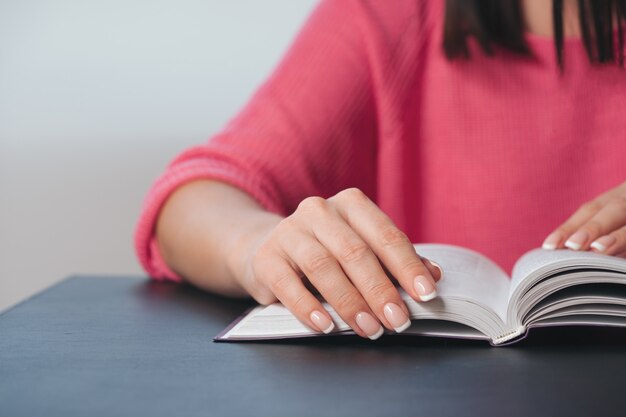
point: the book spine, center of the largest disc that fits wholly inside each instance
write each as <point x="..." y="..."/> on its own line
<point x="508" y="336"/>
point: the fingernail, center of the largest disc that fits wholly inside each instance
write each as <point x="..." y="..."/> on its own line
<point x="603" y="243"/>
<point x="425" y="288"/>
<point x="369" y="325"/>
<point x="577" y="240"/>
<point x="322" y="322"/>
<point x="396" y="317"/>
<point x="436" y="265"/>
<point x="552" y="241"/>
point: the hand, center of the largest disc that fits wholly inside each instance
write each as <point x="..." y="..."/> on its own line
<point x="598" y="225"/>
<point x="340" y="247"/>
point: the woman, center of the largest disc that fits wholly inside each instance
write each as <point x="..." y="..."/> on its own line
<point x="478" y="123"/>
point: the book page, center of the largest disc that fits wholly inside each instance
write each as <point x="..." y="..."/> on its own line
<point x="469" y="275"/>
<point x="581" y="299"/>
<point x="276" y="321"/>
<point x="538" y="262"/>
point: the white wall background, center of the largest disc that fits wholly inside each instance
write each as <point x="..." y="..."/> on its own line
<point x="95" y="98"/>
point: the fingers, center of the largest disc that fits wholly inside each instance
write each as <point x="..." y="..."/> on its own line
<point x="613" y="244"/>
<point x="389" y="244"/>
<point x="362" y="268"/>
<point x="557" y="239"/>
<point x="345" y="246"/>
<point x="323" y="270"/>
<point x="591" y="227"/>
<point x="279" y="276"/>
<point x="435" y="269"/>
<point x="610" y="218"/>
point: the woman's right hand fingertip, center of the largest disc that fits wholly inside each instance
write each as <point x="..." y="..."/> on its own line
<point x="433" y="267"/>
<point x="322" y="322"/>
<point x="425" y="288"/>
<point x="438" y="273"/>
<point x="369" y="325"/>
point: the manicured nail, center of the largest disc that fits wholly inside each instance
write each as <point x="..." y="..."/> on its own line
<point x="577" y="240"/>
<point x="425" y="288"/>
<point x="436" y="265"/>
<point x="396" y="317"/>
<point x="322" y="322"/>
<point x="369" y="325"/>
<point x="552" y="241"/>
<point x="603" y="243"/>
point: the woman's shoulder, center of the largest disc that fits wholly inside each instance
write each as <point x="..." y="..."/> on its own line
<point x="398" y="18"/>
<point x="395" y="33"/>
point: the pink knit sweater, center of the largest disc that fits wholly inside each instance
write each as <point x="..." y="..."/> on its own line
<point x="487" y="153"/>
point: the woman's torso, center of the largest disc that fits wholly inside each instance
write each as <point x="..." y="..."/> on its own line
<point x="493" y="153"/>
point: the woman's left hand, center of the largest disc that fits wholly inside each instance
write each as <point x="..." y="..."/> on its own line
<point x="598" y="225"/>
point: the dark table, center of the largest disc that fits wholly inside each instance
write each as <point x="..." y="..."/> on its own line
<point x="131" y="347"/>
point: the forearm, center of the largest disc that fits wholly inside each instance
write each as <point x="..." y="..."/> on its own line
<point x="206" y="230"/>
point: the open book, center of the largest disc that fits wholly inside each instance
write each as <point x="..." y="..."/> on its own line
<point x="477" y="300"/>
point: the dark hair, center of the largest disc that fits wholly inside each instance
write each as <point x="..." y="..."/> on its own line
<point x="501" y="23"/>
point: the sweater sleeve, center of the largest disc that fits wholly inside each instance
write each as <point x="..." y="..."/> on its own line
<point x="309" y="129"/>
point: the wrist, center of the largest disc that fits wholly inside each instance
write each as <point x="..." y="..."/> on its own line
<point x="243" y="247"/>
